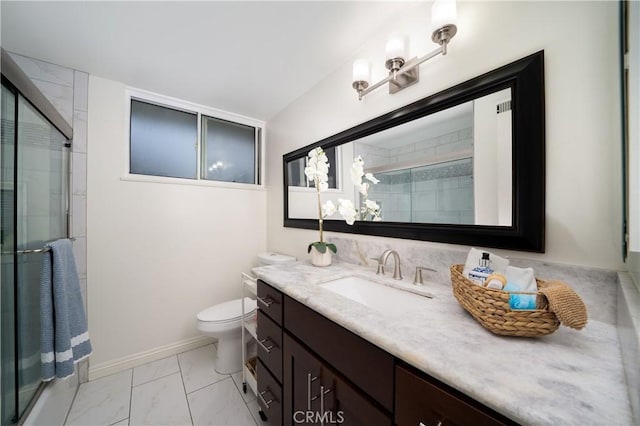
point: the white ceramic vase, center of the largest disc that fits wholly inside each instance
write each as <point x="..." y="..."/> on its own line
<point x="320" y="259"/>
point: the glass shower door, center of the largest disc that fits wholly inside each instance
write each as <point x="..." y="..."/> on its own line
<point x="38" y="185"/>
<point x="7" y="259"/>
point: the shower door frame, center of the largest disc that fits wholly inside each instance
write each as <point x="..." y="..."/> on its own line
<point x="20" y="85"/>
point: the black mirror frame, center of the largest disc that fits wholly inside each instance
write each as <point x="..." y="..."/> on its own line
<point x="526" y="79"/>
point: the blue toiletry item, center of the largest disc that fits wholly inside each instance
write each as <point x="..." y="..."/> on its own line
<point x="520" y="301"/>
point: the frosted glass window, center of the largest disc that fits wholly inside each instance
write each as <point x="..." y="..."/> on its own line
<point x="163" y="141"/>
<point x="230" y="151"/>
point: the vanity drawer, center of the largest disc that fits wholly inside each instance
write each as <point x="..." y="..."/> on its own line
<point x="270" y="345"/>
<point x="361" y="362"/>
<point x="270" y="301"/>
<point x="269" y="395"/>
<point x="422" y="400"/>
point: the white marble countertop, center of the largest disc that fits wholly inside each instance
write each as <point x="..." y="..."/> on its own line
<point x="566" y="378"/>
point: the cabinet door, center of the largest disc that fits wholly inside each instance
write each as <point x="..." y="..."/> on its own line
<point x="315" y="394"/>
<point x="420" y="401"/>
<point x="361" y="362"/>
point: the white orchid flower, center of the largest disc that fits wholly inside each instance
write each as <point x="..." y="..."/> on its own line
<point x="371" y="178"/>
<point x="317" y="169"/>
<point x="371" y="209"/>
<point x="347" y="210"/>
<point x="328" y="209"/>
<point x="357" y="170"/>
<point x="310" y="173"/>
<point x="363" y="188"/>
<point x="371" y="205"/>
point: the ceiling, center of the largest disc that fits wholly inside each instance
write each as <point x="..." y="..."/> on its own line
<point x="250" y="58"/>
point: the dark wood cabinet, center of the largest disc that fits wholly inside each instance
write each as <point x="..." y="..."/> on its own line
<point x="421" y="400"/>
<point x="313" y="371"/>
<point x="316" y="394"/>
<point x="360" y="361"/>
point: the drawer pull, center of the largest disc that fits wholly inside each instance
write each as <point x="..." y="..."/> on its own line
<point x="265" y="347"/>
<point x="267" y="301"/>
<point x="323" y="392"/>
<point x="310" y="379"/>
<point x="266" y="403"/>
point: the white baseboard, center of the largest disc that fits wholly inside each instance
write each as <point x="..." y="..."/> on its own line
<point x="111" y="367"/>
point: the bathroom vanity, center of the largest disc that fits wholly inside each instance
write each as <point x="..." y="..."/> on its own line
<point x="313" y="369"/>
<point x="325" y="359"/>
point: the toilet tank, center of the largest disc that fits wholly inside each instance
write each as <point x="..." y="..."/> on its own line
<point x="274" y="259"/>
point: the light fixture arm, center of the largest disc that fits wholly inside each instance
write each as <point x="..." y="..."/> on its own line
<point x="403" y="73"/>
<point x="406" y="68"/>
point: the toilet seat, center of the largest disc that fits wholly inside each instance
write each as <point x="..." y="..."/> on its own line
<point x="227" y="312"/>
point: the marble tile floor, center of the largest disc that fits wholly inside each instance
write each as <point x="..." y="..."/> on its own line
<point x="183" y="389"/>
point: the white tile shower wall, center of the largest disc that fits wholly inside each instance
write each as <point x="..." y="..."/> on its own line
<point x="435" y="200"/>
<point x="54" y="81"/>
<point x="67" y="90"/>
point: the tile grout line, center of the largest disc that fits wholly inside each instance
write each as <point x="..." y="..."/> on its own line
<point x="155" y="378"/>
<point x="207" y="385"/>
<point x="75" y="395"/>
<point x="130" y="397"/>
<point x="121" y="420"/>
<point x="184" y="388"/>
<point x="246" y="403"/>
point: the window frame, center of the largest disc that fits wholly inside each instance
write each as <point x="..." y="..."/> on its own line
<point x="201" y="111"/>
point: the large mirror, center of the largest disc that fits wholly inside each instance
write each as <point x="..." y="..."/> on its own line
<point x="464" y="166"/>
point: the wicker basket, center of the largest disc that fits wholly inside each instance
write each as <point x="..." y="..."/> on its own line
<point x="491" y="309"/>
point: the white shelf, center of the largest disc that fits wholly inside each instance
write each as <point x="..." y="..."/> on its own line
<point x="250" y="379"/>
<point x="249" y="289"/>
<point x="250" y="285"/>
<point x="251" y="325"/>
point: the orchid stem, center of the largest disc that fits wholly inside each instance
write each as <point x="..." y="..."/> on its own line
<point x="319" y="210"/>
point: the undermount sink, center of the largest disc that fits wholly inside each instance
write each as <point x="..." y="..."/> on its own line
<point x="377" y="296"/>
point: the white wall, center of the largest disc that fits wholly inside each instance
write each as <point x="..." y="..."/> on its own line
<point x="157" y="253"/>
<point x="492" y="154"/>
<point x="580" y="39"/>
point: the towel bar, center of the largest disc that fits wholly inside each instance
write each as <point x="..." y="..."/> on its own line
<point x="31" y="251"/>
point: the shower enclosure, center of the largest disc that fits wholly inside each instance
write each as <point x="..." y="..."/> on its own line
<point x="441" y="192"/>
<point x="34" y="185"/>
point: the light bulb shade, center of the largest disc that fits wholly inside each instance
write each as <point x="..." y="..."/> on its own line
<point x="395" y="48"/>
<point x="361" y="70"/>
<point x="443" y="12"/>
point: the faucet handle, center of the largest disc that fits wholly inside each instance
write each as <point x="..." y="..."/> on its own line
<point x="418" y="278"/>
<point x="380" y="270"/>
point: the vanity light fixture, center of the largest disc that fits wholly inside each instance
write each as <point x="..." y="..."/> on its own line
<point x="405" y="73"/>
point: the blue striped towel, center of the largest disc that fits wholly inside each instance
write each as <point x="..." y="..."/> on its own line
<point x="65" y="338"/>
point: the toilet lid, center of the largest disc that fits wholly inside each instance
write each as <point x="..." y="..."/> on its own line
<point x="227" y="311"/>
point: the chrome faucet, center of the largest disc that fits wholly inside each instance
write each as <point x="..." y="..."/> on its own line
<point x="397" y="274"/>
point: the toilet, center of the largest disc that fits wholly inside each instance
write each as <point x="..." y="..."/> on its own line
<point x="224" y="321"/>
